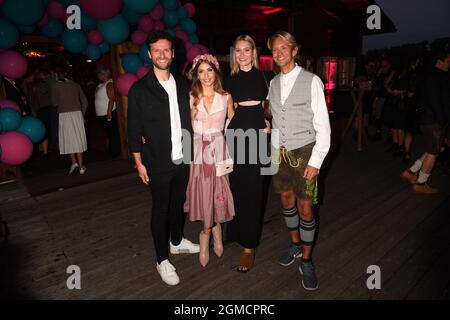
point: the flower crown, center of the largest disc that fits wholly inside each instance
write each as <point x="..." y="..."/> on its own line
<point x="205" y="57"/>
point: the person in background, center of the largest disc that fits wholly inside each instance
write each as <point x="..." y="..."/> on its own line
<point x="105" y="109"/>
<point x="71" y="103"/>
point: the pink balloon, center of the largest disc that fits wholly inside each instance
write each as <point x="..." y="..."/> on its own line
<point x="10" y="104"/>
<point x="146" y="24"/>
<point x="158" y="25"/>
<point x="193" y="52"/>
<point x="190" y="9"/>
<point x="139" y="37"/>
<point x="188" y="45"/>
<point x="157" y="12"/>
<point x="101" y="9"/>
<point x="125" y="82"/>
<point x="43" y="20"/>
<point x="182" y="36"/>
<point x="203" y="49"/>
<point x="95" y="37"/>
<point x="141" y="72"/>
<point x="56" y="10"/>
<point x="12" y="64"/>
<point x="16" y="148"/>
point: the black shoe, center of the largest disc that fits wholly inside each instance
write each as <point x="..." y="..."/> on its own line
<point x="308" y="272"/>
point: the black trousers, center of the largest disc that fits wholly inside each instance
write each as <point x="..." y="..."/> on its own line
<point x="168" y="196"/>
<point x="112" y="131"/>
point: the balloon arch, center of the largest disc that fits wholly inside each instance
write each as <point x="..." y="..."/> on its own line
<point x="103" y="23"/>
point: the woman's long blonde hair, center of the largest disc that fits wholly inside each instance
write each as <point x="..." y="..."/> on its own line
<point x="197" y="89"/>
<point x="255" y="64"/>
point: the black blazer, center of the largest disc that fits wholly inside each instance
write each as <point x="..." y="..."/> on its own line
<point x="149" y="117"/>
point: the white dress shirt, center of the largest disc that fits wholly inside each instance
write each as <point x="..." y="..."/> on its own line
<point x="175" y="123"/>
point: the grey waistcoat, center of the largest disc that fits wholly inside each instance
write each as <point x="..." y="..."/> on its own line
<point x="293" y="119"/>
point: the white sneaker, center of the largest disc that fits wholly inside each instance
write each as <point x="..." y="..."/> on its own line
<point x="82" y="170"/>
<point x="185" y="246"/>
<point x="72" y="168"/>
<point x="167" y="272"/>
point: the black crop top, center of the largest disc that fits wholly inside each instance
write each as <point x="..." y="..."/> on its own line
<point x="247" y="86"/>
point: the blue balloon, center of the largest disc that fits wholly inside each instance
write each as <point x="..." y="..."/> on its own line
<point x="65" y="2"/>
<point x="10" y="119"/>
<point x="193" y="38"/>
<point x="143" y="54"/>
<point x="74" y="41"/>
<point x="33" y="128"/>
<point x="182" y="13"/>
<point x="131" y="62"/>
<point x="27" y="29"/>
<point x="131" y="16"/>
<point x="140" y="6"/>
<point x="87" y="22"/>
<point x="115" y="30"/>
<point x="9" y="35"/>
<point x="93" y="52"/>
<point x="169" y="4"/>
<point x="188" y="25"/>
<point x="171" y="33"/>
<point x="170" y="18"/>
<point x="23" y="12"/>
<point x="104" y="47"/>
<point x="53" y="28"/>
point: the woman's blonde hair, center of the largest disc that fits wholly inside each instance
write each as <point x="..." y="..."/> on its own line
<point x="285" y="36"/>
<point x="197" y="89"/>
<point x="255" y="64"/>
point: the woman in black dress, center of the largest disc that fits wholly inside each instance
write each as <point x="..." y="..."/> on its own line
<point x="248" y="87"/>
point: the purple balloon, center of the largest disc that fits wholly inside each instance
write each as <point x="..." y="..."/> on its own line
<point x="125" y="82"/>
<point x="56" y="10"/>
<point x="158" y="25"/>
<point x="16" y="148"/>
<point x="193" y="52"/>
<point x="141" y="72"/>
<point x="203" y="49"/>
<point x="43" y="20"/>
<point x="12" y="64"/>
<point x="101" y="9"/>
<point x="146" y="24"/>
<point x="139" y="37"/>
<point x="95" y="37"/>
<point x="157" y="12"/>
<point x="182" y="36"/>
<point x="190" y="9"/>
<point x="10" y="104"/>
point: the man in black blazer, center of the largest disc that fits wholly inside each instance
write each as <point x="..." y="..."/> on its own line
<point x="158" y="111"/>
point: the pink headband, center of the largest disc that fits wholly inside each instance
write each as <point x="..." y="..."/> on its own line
<point x="205" y="57"/>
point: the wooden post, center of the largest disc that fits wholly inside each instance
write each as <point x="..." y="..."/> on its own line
<point x="121" y="102"/>
<point x="7" y="173"/>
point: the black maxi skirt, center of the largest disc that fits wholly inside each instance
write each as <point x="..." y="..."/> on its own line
<point x="246" y="181"/>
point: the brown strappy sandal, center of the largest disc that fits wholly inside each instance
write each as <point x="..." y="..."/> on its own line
<point x="246" y="261"/>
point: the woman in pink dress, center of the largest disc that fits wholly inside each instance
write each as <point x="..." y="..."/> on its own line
<point x="208" y="197"/>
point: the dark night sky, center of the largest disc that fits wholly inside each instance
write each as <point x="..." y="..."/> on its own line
<point x="416" y="20"/>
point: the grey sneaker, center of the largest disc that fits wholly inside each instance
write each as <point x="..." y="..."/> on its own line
<point x="289" y="256"/>
<point x="309" y="281"/>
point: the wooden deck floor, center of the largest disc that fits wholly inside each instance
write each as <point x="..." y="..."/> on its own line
<point x="368" y="217"/>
